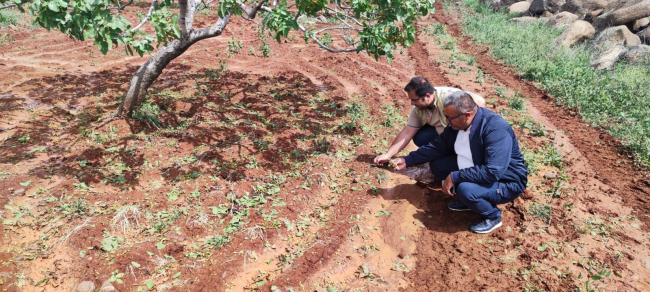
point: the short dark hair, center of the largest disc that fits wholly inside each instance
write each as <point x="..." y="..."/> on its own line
<point x="421" y="86"/>
<point x="462" y="100"/>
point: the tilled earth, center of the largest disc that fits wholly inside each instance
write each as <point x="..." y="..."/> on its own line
<point x="235" y="126"/>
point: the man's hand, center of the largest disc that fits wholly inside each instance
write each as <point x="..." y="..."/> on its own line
<point x="398" y="163"/>
<point x="447" y="185"/>
<point x="381" y="159"/>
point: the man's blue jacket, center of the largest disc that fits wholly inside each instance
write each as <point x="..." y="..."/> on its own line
<point x="495" y="153"/>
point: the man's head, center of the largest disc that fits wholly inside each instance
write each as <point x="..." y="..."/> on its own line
<point x="420" y="92"/>
<point x="460" y="110"/>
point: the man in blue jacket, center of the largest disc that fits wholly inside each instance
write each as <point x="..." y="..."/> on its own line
<point x="479" y="158"/>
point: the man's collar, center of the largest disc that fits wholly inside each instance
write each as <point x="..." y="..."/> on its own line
<point x="476" y="121"/>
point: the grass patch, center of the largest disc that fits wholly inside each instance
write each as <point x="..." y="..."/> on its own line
<point x="614" y="100"/>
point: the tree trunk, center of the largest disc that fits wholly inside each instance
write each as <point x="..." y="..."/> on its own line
<point x="147" y="74"/>
<point x="149" y="71"/>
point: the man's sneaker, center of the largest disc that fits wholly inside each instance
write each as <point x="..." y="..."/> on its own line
<point x="486" y="226"/>
<point x="457" y="206"/>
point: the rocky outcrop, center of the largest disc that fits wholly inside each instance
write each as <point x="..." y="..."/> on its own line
<point x="640" y="24"/>
<point x="578" y="31"/>
<point x="519" y="8"/>
<point x="608" y="59"/>
<point x="562" y="19"/>
<point x="538" y="7"/>
<point x="619" y="35"/>
<point x="638" y="54"/>
<point x="644" y="36"/>
<point x="622" y="15"/>
<point x="582" y="7"/>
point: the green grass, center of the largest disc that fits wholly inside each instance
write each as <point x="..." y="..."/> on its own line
<point x="9" y="17"/>
<point x="615" y="100"/>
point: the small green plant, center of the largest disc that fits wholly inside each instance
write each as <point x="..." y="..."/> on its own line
<point x="148" y="113"/>
<point x="326" y="39"/>
<point x="539" y="211"/>
<point x="516" y="102"/>
<point x="23" y="139"/>
<point x="235" y="46"/>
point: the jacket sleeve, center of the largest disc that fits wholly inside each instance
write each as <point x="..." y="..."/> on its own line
<point x="497" y="146"/>
<point x="440" y="147"/>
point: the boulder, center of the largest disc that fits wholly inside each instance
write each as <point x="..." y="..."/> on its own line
<point x="644" y="36"/>
<point x="578" y="31"/>
<point x="523" y="19"/>
<point x="519" y="8"/>
<point x="86" y="286"/>
<point x="538" y="7"/>
<point x="619" y="35"/>
<point x="608" y="59"/>
<point x="640" y="24"/>
<point x="547" y="14"/>
<point x="638" y="54"/>
<point x="582" y="7"/>
<point x="622" y="15"/>
<point x="562" y="19"/>
<point x="107" y="287"/>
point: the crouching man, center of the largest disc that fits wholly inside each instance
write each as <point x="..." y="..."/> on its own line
<point x="479" y="159"/>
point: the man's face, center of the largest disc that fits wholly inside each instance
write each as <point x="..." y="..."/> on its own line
<point x="420" y="102"/>
<point x="458" y="120"/>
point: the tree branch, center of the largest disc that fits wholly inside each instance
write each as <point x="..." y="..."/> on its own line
<point x="313" y="37"/>
<point x="8" y="6"/>
<point x="146" y="18"/>
<point x="252" y="12"/>
<point x="120" y="7"/>
<point x="214" y="30"/>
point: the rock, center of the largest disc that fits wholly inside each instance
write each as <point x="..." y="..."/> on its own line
<point x="519" y="8"/>
<point x="322" y="19"/>
<point x="644" y="36"/>
<point x="86" y="286"/>
<point x="562" y="19"/>
<point x="638" y="54"/>
<point x="6" y="276"/>
<point x="582" y="7"/>
<point x="622" y="15"/>
<point x="640" y="24"/>
<point x="538" y="7"/>
<point x="550" y="174"/>
<point x="547" y="14"/>
<point x="401" y="255"/>
<point x="19" y="192"/>
<point x="581" y="251"/>
<point x="523" y="19"/>
<point x="19" y="258"/>
<point x="107" y="287"/>
<point x="498" y="4"/>
<point x="646" y="263"/>
<point x="619" y="35"/>
<point x="592" y="15"/>
<point x="608" y="59"/>
<point x="578" y="31"/>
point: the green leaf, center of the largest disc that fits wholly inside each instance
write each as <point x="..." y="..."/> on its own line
<point x="160" y="245"/>
<point x="543" y="247"/>
<point x="150" y="284"/>
<point x="176" y="275"/>
<point x="24" y="184"/>
<point x="135" y="264"/>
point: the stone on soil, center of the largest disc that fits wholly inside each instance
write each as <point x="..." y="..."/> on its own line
<point x="562" y="19"/>
<point x="539" y="6"/>
<point x="519" y="7"/>
<point x="638" y="54"/>
<point x="19" y="192"/>
<point x="582" y="7"/>
<point x="578" y="31"/>
<point x="581" y="251"/>
<point x="107" y="287"/>
<point x="608" y="59"/>
<point x="646" y="263"/>
<point x="640" y="24"/>
<point x="618" y="35"/>
<point x="86" y="286"/>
